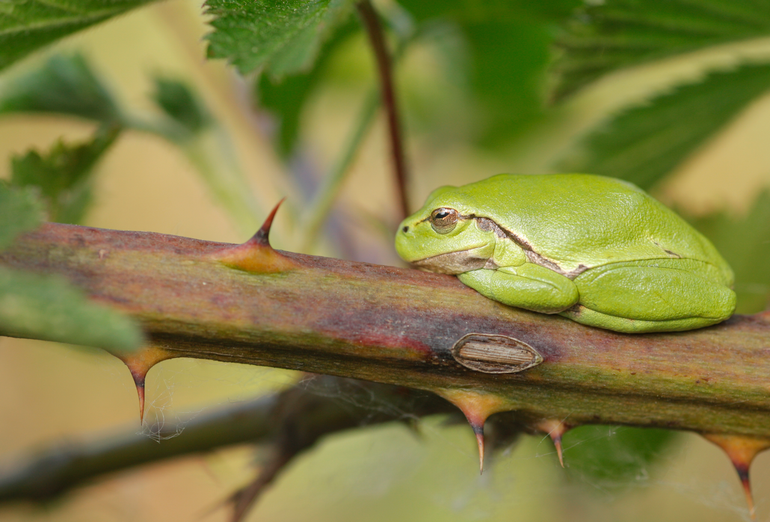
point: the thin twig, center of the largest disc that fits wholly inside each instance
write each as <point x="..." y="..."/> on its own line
<point x="377" y="38"/>
<point x="316" y="407"/>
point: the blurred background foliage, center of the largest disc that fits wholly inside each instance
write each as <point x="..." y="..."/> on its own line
<point x="126" y="126"/>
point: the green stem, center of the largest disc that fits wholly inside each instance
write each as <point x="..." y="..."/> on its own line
<point x="319" y="209"/>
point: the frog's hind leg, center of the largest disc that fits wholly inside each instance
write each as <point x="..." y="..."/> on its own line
<point x="651" y="296"/>
<point x="583" y="315"/>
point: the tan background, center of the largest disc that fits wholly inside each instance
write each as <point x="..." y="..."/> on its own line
<point x="52" y="393"/>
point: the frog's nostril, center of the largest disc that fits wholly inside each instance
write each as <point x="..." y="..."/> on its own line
<point x="405" y="230"/>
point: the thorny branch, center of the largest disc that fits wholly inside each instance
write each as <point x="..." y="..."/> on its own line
<point x="398" y="326"/>
<point x="251" y="304"/>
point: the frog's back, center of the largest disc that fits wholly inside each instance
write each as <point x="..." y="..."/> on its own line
<point x="583" y="219"/>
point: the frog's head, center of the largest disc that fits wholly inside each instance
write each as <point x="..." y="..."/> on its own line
<point x="445" y="236"/>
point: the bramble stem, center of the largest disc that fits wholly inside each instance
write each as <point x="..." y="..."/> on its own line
<point x="399" y="326"/>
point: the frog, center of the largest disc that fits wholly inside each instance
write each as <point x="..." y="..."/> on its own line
<point x="594" y="249"/>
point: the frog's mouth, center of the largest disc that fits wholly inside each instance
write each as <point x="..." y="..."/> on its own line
<point x="456" y="262"/>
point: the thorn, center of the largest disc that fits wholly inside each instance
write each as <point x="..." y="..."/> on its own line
<point x="556" y="430"/>
<point x="743" y="475"/>
<point x="478" y="429"/>
<point x="476" y="407"/>
<point x="139" y="363"/>
<point x="139" y="381"/>
<point x="262" y="237"/>
<point x="741" y="450"/>
<point x="557" y="444"/>
<point x="256" y="254"/>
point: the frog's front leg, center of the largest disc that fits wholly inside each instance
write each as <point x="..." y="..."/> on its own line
<point x="527" y="286"/>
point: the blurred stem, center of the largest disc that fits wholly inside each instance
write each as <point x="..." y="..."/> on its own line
<point x="315" y="217"/>
<point x="373" y="27"/>
<point x="299" y="415"/>
<point x="61" y="467"/>
<point x="319" y="210"/>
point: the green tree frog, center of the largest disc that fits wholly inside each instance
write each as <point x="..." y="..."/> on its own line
<point x="597" y="250"/>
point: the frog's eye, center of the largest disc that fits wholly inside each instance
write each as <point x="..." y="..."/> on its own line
<point x="443" y="220"/>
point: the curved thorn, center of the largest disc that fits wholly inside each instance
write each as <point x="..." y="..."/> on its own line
<point x="555" y="429"/>
<point x="140" y="392"/>
<point x="478" y="430"/>
<point x="476" y="407"/>
<point x="262" y="237"/>
<point x="138" y="373"/>
<point x="557" y="443"/>
<point x="741" y="450"/>
<point x="139" y="363"/>
<point x="743" y="475"/>
<point x="256" y="255"/>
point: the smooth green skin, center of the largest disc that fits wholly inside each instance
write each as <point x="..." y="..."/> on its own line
<point x="597" y="250"/>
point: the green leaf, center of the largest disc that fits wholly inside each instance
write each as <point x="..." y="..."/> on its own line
<point x="26" y="25"/>
<point x="64" y="85"/>
<point x="284" y="36"/>
<point x="745" y="244"/>
<point x="50" y="308"/>
<point x="509" y="50"/>
<point x="20" y="211"/>
<point x="619" y="33"/>
<point x="612" y="457"/>
<point x="644" y="144"/>
<point x="180" y="104"/>
<point x="508" y="72"/>
<point x="285" y="98"/>
<point x="62" y="175"/>
<point x="473" y="11"/>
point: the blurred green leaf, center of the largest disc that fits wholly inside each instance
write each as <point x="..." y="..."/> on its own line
<point x="180" y="104"/>
<point x="62" y="174"/>
<point x="20" y="211"/>
<point x="509" y="47"/>
<point x="26" y="25"/>
<point x="645" y="143"/>
<point x="605" y="36"/>
<point x="283" y="36"/>
<point x="50" y="308"/>
<point x="285" y="98"/>
<point x="612" y="457"/>
<point x="64" y="85"/>
<point x="745" y="244"/>
<point x="508" y="74"/>
<point x="473" y="11"/>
